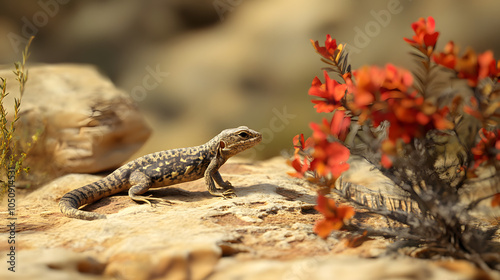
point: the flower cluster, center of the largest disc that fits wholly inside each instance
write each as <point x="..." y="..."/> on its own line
<point x="482" y="73"/>
<point x="386" y="94"/>
<point x="301" y="166"/>
<point x="333" y="55"/>
<point x="331" y="92"/>
<point x="379" y="94"/>
<point x="328" y="157"/>
<point x="470" y="66"/>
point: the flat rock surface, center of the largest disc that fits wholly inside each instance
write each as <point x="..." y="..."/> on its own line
<point x="264" y="233"/>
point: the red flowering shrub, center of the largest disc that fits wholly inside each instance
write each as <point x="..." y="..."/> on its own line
<point x="405" y="123"/>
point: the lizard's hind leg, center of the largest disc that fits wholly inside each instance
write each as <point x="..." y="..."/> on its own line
<point x="140" y="184"/>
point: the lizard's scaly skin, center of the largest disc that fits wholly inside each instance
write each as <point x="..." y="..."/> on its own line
<point x="163" y="169"/>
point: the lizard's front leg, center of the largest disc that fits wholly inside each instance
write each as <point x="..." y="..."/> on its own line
<point x="212" y="173"/>
<point x="140" y="184"/>
<point x="226" y="185"/>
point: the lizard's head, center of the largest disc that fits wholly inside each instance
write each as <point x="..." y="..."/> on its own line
<point x="236" y="140"/>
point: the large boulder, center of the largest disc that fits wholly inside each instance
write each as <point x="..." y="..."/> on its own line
<point x="85" y="124"/>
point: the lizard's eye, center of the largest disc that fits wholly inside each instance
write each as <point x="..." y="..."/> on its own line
<point x="243" y="134"/>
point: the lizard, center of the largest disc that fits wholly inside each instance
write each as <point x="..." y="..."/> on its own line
<point x="165" y="168"/>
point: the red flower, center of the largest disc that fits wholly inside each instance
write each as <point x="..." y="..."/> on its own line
<point x="340" y="124"/>
<point x="386" y="161"/>
<point x="397" y="78"/>
<point x="330" y="158"/>
<point x="487" y="66"/>
<point x="320" y="131"/>
<point x="467" y="67"/>
<point x="425" y="37"/>
<point x="331" y="91"/>
<point x="448" y="58"/>
<point x="410" y="117"/>
<point x="470" y="66"/>
<point x="378" y="84"/>
<point x="356" y="241"/>
<point x="368" y="83"/>
<point x="495" y="202"/>
<point x="301" y="167"/>
<point x="338" y="127"/>
<point x="329" y="51"/>
<point x="474" y="110"/>
<point x="334" y="217"/>
<point x="488" y="148"/>
<point x="298" y="142"/>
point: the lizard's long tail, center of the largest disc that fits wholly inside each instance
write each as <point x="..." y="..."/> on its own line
<point x="72" y="200"/>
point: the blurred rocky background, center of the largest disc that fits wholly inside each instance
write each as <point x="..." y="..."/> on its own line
<point x="107" y="73"/>
<point x="195" y="67"/>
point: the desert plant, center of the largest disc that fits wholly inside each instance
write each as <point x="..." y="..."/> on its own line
<point x="12" y="156"/>
<point x="420" y="133"/>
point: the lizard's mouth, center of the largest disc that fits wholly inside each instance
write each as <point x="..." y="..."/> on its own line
<point x="257" y="139"/>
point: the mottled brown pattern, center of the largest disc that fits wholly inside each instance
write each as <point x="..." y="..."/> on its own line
<point x="163" y="169"/>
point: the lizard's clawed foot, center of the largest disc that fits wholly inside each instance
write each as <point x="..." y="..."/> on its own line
<point x="223" y="193"/>
<point x="229" y="194"/>
<point x="153" y="201"/>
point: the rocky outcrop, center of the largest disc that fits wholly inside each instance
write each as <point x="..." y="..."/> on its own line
<point x="264" y="233"/>
<point x="85" y="124"/>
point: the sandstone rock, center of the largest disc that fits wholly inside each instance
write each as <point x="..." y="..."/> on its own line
<point x="53" y="263"/>
<point x="86" y="124"/>
<point x="264" y="233"/>
<point x="344" y="267"/>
